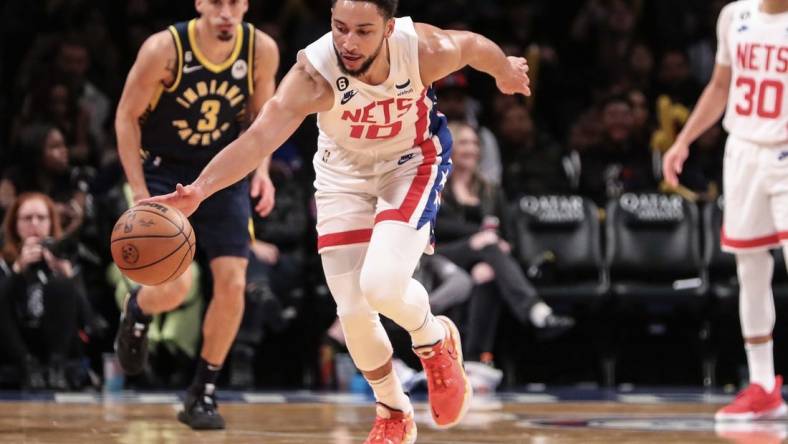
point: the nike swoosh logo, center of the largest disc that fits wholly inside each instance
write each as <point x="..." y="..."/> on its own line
<point x="188" y="69"/>
<point x="405" y="158"/>
<point x="348" y="95"/>
<point x="404" y="85"/>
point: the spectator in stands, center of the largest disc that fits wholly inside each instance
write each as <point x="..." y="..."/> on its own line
<point x="471" y="230"/>
<point x="641" y="67"/>
<point x="53" y="102"/>
<point x="39" y="306"/>
<point x="72" y="63"/>
<point x="613" y="160"/>
<point x="642" y="124"/>
<point x="45" y="168"/>
<point x="533" y="162"/>
<point x="675" y="80"/>
<point x="459" y="106"/>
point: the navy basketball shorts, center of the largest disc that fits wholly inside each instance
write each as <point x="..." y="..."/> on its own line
<point x="221" y="222"/>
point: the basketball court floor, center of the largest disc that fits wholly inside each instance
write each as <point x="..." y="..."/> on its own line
<point x="538" y="417"/>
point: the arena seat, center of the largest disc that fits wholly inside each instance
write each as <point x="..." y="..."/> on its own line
<point x="558" y="243"/>
<point x="653" y="249"/>
<point x="659" y="287"/>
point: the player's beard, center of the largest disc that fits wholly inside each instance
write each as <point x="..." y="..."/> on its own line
<point x="225" y="36"/>
<point x="364" y="66"/>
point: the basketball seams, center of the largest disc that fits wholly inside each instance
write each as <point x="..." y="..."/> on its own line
<point x="180" y="264"/>
<point x="147" y="236"/>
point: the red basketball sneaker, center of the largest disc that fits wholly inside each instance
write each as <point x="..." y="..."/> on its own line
<point x="754" y="403"/>
<point x="449" y="389"/>
<point x="392" y="427"/>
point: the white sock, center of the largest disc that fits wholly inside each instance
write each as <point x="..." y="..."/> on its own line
<point x="760" y="360"/>
<point x="388" y="390"/>
<point x="431" y="332"/>
<point x="539" y="313"/>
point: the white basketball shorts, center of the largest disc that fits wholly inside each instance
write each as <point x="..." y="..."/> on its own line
<point x="756" y="196"/>
<point x="355" y="191"/>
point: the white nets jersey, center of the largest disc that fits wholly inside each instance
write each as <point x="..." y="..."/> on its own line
<point x="755" y="46"/>
<point x="380" y="119"/>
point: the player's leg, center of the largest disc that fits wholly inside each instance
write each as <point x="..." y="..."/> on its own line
<point x="749" y="230"/>
<point x="224" y="236"/>
<point x="366" y="339"/>
<point x="345" y="216"/>
<point x="387" y="282"/>
<point x="220" y="327"/>
<point x="131" y="343"/>
<point x="387" y="285"/>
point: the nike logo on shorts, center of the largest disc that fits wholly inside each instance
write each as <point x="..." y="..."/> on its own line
<point x="405" y="158"/>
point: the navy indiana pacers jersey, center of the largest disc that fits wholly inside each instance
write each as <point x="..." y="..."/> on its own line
<point x="202" y="111"/>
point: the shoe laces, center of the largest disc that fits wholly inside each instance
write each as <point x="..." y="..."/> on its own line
<point x="438" y="365"/>
<point x="139" y="329"/>
<point x="206" y="403"/>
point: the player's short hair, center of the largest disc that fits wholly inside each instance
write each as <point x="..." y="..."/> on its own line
<point x="387" y="8"/>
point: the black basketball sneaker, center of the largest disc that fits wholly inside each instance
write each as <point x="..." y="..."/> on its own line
<point x="200" y="409"/>
<point x="131" y="343"/>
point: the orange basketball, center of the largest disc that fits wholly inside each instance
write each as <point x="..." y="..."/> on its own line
<point x="152" y="243"/>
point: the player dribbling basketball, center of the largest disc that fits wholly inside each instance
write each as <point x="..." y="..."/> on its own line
<point x="184" y="100"/>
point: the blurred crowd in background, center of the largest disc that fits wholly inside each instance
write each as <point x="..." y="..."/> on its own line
<point x="612" y="82"/>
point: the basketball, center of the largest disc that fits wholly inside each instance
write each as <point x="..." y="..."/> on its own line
<point x="152" y="243"/>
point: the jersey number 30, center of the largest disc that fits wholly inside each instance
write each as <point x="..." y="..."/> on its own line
<point x="766" y="98"/>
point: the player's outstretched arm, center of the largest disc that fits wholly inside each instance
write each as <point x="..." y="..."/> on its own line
<point x="156" y="64"/>
<point x="302" y="92"/>
<point x="441" y="52"/>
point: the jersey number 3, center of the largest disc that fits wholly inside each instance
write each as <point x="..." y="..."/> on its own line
<point x="209" y="110"/>
<point x="766" y="98"/>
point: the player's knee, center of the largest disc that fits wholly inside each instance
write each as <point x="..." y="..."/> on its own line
<point x="232" y="287"/>
<point x="754" y="270"/>
<point x="175" y="291"/>
<point x="383" y="288"/>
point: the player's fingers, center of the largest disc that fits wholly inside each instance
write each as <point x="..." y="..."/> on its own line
<point x="264" y="207"/>
<point x="163" y="198"/>
<point x="254" y="190"/>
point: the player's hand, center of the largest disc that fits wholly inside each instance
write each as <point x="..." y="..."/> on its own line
<point x="673" y="162"/>
<point x="483" y="239"/>
<point x="268" y="253"/>
<point x="263" y="188"/>
<point x="185" y="198"/>
<point x="514" y="79"/>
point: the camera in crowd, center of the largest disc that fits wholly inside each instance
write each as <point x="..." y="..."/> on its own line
<point x="64" y="248"/>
